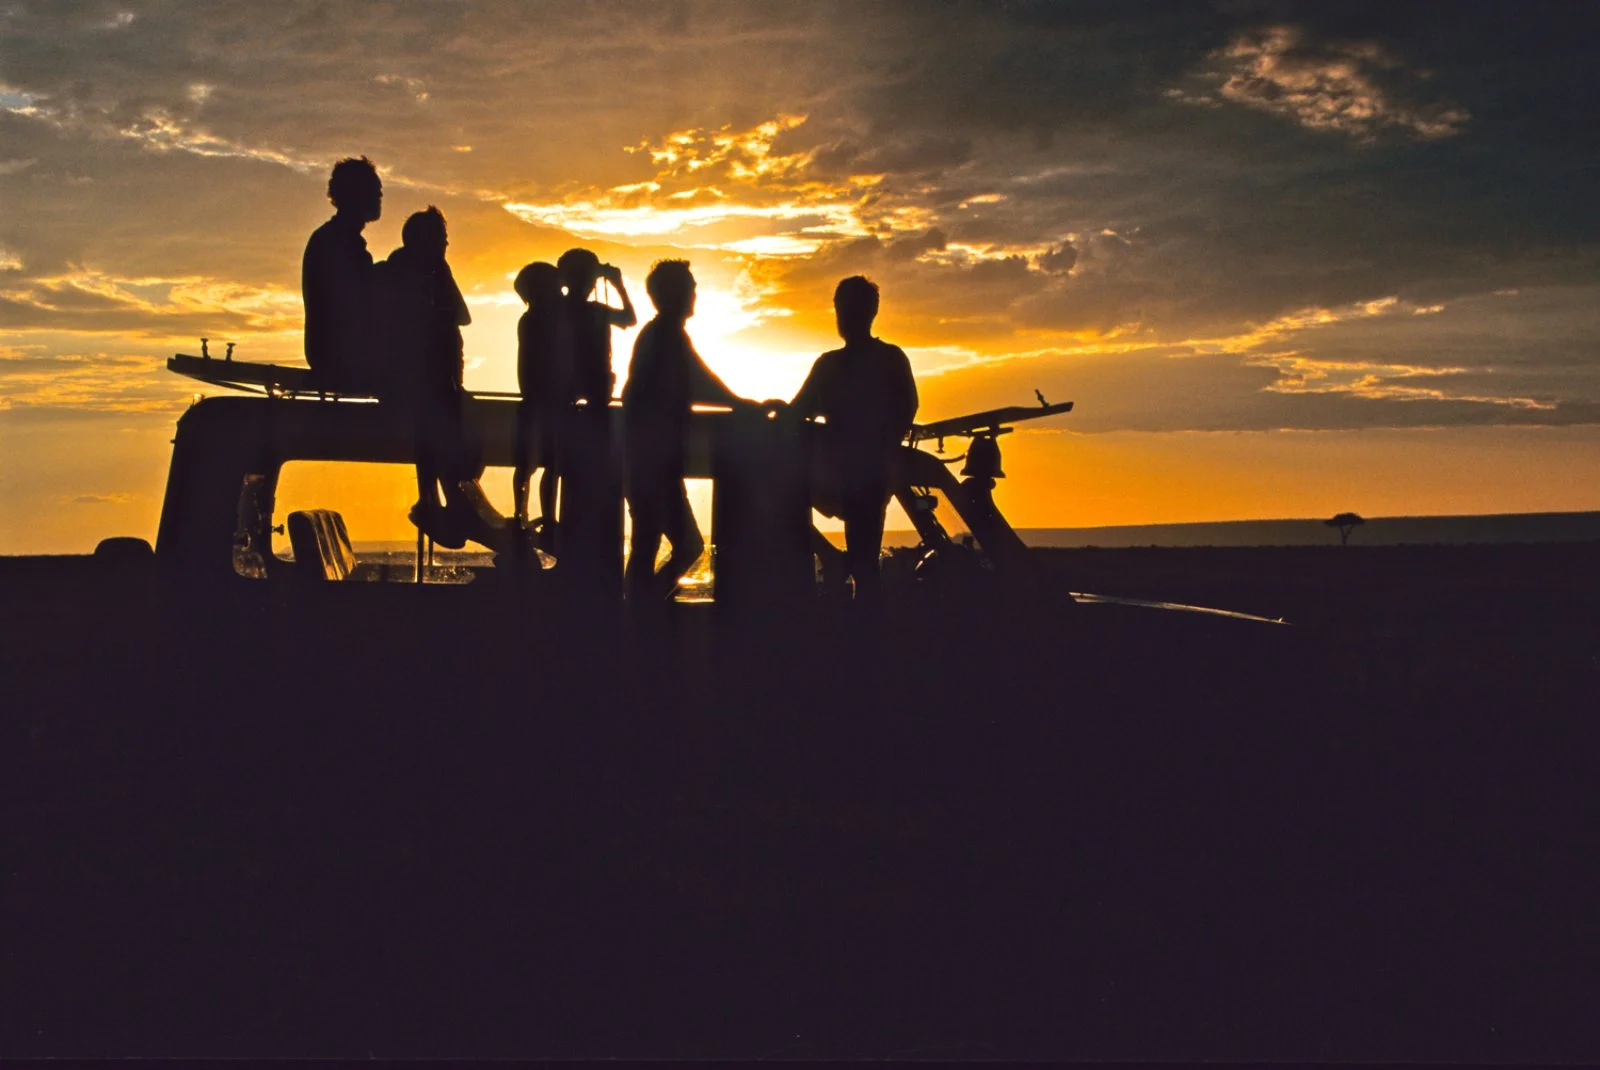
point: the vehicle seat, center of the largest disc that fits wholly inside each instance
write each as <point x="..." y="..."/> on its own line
<point x="321" y="545"/>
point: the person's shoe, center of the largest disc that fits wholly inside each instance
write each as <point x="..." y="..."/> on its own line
<point x="544" y="537"/>
<point x="438" y="525"/>
<point x="521" y="543"/>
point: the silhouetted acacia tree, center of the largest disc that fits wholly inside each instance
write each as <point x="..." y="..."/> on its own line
<point x="1345" y="522"/>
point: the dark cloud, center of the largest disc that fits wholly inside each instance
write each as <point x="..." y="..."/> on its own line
<point x="1058" y="260"/>
<point x="909" y="248"/>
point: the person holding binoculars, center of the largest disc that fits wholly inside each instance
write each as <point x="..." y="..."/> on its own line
<point x="591" y="321"/>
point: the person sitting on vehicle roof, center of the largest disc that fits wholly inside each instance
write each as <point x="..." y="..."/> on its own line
<point x="336" y="282"/>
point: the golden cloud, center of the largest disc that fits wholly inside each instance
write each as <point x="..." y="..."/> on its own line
<point x="87" y="300"/>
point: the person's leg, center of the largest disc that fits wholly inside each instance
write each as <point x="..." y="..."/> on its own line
<point x="428" y="514"/>
<point x="519" y="495"/>
<point x="684" y="535"/>
<point x="832" y="560"/>
<point x="427" y="495"/>
<point x="644" y="507"/>
<point x="455" y="456"/>
<point x="863" y="537"/>
<point x="437" y="468"/>
<point x="523" y="473"/>
<point x="548" y="482"/>
<point x="551" y="443"/>
<point x="427" y="474"/>
<point x="550" y="457"/>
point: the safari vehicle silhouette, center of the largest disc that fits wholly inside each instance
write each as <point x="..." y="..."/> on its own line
<point x="217" y="519"/>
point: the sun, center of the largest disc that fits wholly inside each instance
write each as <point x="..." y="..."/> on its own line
<point x="737" y="340"/>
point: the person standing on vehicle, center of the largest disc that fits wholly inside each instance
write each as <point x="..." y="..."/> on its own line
<point x="423" y="314"/>
<point x="544" y="378"/>
<point x="665" y="378"/>
<point x="591" y="322"/>
<point x="866" y="398"/>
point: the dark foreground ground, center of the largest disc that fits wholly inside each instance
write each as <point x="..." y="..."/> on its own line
<point x="446" y="821"/>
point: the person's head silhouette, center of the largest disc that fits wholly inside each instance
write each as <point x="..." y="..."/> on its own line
<point x="579" y="270"/>
<point x="538" y="283"/>
<point x="671" y="287"/>
<point x="424" y="233"/>
<point x="855" y="306"/>
<point x="355" y="189"/>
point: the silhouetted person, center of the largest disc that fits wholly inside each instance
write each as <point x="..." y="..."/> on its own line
<point x="544" y="377"/>
<point x="867" y="397"/>
<point x="591" y="323"/>
<point x="425" y="313"/>
<point x="665" y="378"/>
<point x="336" y="282"/>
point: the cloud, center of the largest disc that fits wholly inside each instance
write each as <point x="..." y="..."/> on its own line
<point x="414" y="86"/>
<point x="1376" y="381"/>
<point x="92" y="301"/>
<point x="1059" y="260"/>
<point x="1170" y="389"/>
<point x="1334" y="87"/>
<point x="1020" y="179"/>
<point x="43" y="379"/>
<point x="117" y="498"/>
<point x="727" y="189"/>
<point x="913" y="246"/>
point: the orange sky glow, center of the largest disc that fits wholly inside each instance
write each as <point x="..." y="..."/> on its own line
<point x="1264" y="304"/>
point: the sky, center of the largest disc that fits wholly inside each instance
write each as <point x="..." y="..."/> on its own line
<point x="1287" y="259"/>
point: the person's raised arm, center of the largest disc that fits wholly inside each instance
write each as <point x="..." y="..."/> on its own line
<point x="625" y="316"/>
